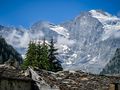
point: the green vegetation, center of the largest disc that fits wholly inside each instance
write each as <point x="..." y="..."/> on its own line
<point x="54" y="62"/>
<point x="42" y="56"/>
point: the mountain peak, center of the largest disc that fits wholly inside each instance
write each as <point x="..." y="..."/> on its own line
<point x="99" y="13"/>
<point x="103" y="17"/>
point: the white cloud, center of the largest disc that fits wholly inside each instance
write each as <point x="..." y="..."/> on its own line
<point x="21" y="40"/>
<point x="24" y="41"/>
<point x="63" y="44"/>
<point x="36" y="35"/>
<point x="64" y="41"/>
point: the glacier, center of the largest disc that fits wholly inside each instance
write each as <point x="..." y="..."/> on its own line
<point x="85" y="43"/>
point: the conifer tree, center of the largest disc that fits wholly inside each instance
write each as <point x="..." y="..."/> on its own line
<point x="54" y="62"/>
<point x="42" y="56"/>
<point x="30" y="59"/>
<point x="39" y="55"/>
<point x="45" y="60"/>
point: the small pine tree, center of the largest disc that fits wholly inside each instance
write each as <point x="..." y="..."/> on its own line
<point x="45" y="60"/>
<point x="42" y="56"/>
<point x="39" y="56"/>
<point x="30" y="59"/>
<point x="54" y="62"/>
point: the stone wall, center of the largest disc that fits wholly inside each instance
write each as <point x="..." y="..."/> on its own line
<point x="13" y="84"/>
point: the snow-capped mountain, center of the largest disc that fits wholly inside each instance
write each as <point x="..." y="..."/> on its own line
<point x="87" y="42"/>
<point x="111" y="23"/>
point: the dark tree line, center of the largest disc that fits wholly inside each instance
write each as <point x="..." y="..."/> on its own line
<point x="42" y="56"/>
<point x="7" y="52"/>
<point x="113" y="67"/>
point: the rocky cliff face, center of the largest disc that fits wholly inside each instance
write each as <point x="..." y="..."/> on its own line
<point x="87" y="42"/>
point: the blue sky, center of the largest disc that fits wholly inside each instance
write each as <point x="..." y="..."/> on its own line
<point x="26" y="12"/>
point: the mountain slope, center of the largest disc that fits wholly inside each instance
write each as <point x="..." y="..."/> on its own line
<point x="87" y="42"/>
<point x="113" y="67"/>
<point x="7" y="52"/>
